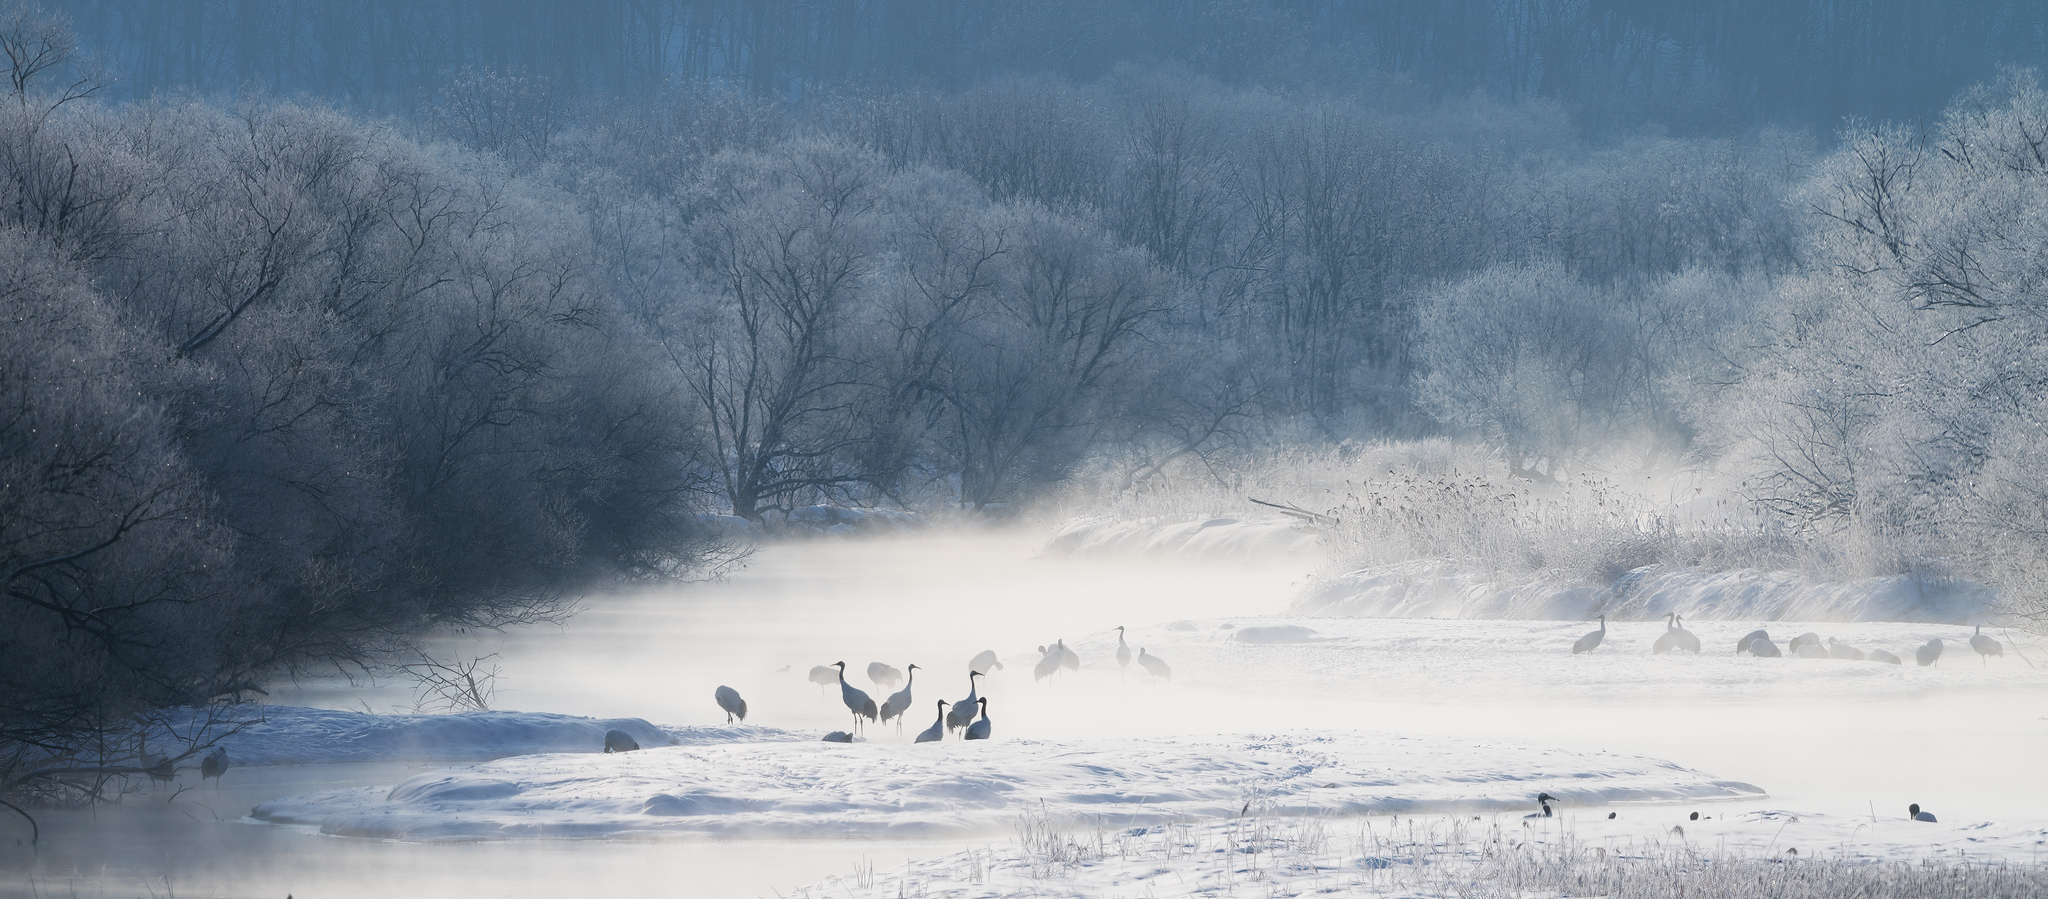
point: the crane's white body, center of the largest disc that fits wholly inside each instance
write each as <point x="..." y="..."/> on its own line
<point x="897" y="704"/>
<point x="1928" y="653"/>
<point x="729" y="700"/>
<point x="1986" y="647"/>
<point x="985" y="661"/>
<point x="1591" y="641"/>
<point x="956" y="718"/>
<point x="857" y="701"/>
<point x="1154" y="665"/>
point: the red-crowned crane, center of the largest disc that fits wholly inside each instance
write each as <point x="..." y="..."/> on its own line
<point x="896" y="705"/>
<point x="963" y="711"/>
<point x="1154" y="665"/>
<point x="856" y="700"/>
<point x="1986" y="647"/>
<point x="979" y="730"/>
<point x="729" y="700"/>
<point x="1591" y="641"/>
<point x="937" y="731"/>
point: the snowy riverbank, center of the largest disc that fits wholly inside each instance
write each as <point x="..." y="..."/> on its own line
<point x="958" y="788"/>
<point x="1756" y="853"/>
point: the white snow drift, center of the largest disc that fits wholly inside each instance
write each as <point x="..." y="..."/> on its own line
<point x="960" y="788"/>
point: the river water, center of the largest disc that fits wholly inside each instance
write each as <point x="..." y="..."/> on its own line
<point x="937" y="600"/>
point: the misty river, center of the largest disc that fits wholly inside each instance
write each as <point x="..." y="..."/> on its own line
<point x="937" y="600"/>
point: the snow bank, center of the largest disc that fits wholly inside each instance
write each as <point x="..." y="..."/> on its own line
<point x="283" y="735"/>
<point x="1216" y="538"/>
<point x="1451" y="660"/>
<point x="1443" y="589"/>
<point x="1741" y="854"/>
<point x="961" y="788"/>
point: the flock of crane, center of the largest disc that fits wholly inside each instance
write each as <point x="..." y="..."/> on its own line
<point x="1806" y="646"/>
<point x="1053" y="658"/>
<point x="970" y="715"/>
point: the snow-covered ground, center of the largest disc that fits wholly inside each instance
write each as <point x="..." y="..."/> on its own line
<point x="958" y="788"/>
<point x="1759" y="853"/>
<point x="1450" y="660"/>
<point x="287" y="735"/>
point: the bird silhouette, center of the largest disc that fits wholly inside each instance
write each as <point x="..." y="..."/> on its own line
<point x="1742" y="645"/>
<point x="937" y="731"/>
<point x="985" y="661"/>
<point x="1687" y="640"/>
<point x="1986" y="647"/>
<point x="1068" y="658"/>
<point x="1811" y="650"/>
<point x="1153" y="664"/>
<point x="1844" y="651"/>
<point x="1048" y="664"/>
<point x="979" y="730"/>
<point x="1666" y="641"/>
<point x="616" y="740"/>
<point x="1763" y="648"/>
<point x="1123" y="652"/>
<point x="1803" y="640"/>
<point x="824" y="676"/>
<point x="897" y="704"/>
<point x="1591" y="641"/>
<point x="884" y="675"/>
<point x="1928" y="653"/>
<point x="729" y="700"/>
<point x="963" y="711"/>
<point x="214" y="765"/>
<point x="1544" y="800"/>
<point x="1918" y="815"/>
<point x="1879" y="655"/>
<point x="856" y="700"/>
<point x="837" y="736"/>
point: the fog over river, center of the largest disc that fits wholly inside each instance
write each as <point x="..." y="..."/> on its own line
<point x="937" y="600"/>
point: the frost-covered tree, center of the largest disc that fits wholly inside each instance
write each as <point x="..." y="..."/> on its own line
<point x="1902" y="397"/>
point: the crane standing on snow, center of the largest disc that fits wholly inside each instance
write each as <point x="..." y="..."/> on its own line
<point x="1986" y="647"/>
<point x="1591" y="641"/>
<point x="1048" y="664"/>
<point x="896" y="705"/>
<point x="963" y="711"/>
<point x="1928" y="653"/>
<point x="1123" y="652"/>
<point x="937" y="731"/>
<point x="856" y="700"/>
<point x="1153" y="664"/>
<point x="729" y="700"/>
<point x="979" y="730"/>
<point x="1685" y="638"/>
